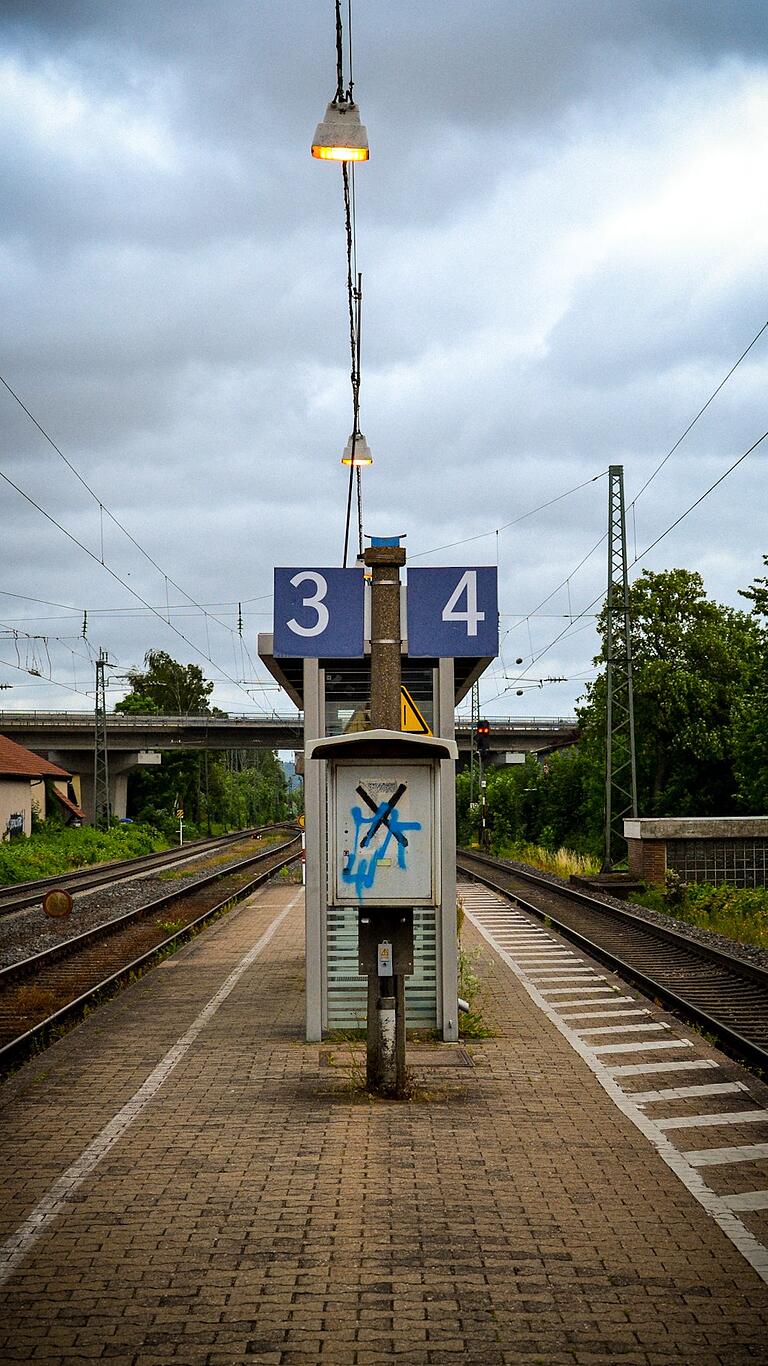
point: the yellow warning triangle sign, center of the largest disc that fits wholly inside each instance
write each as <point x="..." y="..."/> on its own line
<point x="411" y="718"/>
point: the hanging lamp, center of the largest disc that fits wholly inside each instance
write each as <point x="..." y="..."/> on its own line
<point x="357" y="452"/>
<point x="340" y="136"/>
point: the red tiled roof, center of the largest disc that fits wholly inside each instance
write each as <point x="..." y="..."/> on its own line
<point x="18" y="762"/>
<point x="71" y="806"/>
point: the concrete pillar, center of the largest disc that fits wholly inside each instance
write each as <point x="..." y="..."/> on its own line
<point x="447" y="940"/>
<point x="315" y="896"/>
<point x="384" y="562"/>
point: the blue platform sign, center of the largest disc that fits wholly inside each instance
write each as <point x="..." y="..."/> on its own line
<point x="453" y="612"/>
<point x="319" y="613"/>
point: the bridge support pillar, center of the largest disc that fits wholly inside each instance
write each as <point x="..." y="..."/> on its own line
<point x="120" y="765"/>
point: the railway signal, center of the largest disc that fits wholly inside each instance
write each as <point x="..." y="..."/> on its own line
<point x="483" y="736"/>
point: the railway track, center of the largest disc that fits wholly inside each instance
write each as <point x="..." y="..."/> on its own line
<point x="713" y="989"/>
<point x="49" y="990"/>
<point x="25" y="894"/>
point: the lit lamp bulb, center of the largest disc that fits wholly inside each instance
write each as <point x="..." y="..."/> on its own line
<point x="362" y="451"/>
<point x="340" y="136"/>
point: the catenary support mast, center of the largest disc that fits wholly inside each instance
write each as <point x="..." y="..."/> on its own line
<point x="101" y="807"/>
<point x="620" y="767"/>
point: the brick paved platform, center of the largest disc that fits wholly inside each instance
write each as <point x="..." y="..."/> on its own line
<point x="184" y="1185"/>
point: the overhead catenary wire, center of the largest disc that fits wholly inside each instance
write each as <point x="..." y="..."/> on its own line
<point x="699" y="414"/>
<point x="494" y="531"/>
<point x="101" y="505"/>
<point x="632" y="505"/>
<point x="651" y="546"/>
<point x="47" y="680"/>
<point x="128" y="587"/>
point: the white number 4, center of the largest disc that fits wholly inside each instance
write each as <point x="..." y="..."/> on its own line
<point x="467" y="585"/>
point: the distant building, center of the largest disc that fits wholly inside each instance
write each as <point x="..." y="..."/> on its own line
<point x="23" y="779"/>
<point x="292" y="779"/>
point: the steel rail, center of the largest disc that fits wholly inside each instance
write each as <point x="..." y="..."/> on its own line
<point x="66" y="948"/>
<point x="35" y="1038"/>
<point x="19" y="896"/>
<point x="730" y="1039"/>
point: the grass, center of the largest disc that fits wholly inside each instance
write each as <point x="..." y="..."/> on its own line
<point x="48" y="854"/>
<point x="472" y="1024"/>
<point x="737" y="913"/>
<point x="561" y="862"/>
<point x="251" y="846"/>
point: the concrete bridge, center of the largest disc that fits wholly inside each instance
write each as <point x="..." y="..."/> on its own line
<point x="67" y="739"/>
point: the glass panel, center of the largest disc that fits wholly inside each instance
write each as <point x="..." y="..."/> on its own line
<point x="348" y="692"/>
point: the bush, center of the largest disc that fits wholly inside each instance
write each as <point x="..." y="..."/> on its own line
<point x="50" y="853"/>
<point x="739" y="913"/>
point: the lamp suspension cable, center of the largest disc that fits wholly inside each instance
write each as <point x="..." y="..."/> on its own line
<point x="354" y="304"/>
<point x="354" y="288"/>
<point x="340" y="136"/>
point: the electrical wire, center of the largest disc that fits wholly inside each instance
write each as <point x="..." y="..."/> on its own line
<point x="700" y="499"/>
<point x="701" y="411"/>
<point x="70" y="536"/>
<point x="54" y="681"/>
<point x="579" y="617"/>
<point x="102" y="506"/>
<point x="481" y="535"/>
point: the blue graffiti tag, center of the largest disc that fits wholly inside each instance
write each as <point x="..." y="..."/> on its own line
<point x="360" y="872"/>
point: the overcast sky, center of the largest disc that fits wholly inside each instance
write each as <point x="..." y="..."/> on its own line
<point x="562" y="233"/>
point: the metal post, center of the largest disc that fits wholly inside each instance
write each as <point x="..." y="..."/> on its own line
<point x="473" y="747"/>
<point x="620" y="765"/>
<point x="101" y="805"/>
<point x="385" y="1060"/>
<point x="483" y="807"/>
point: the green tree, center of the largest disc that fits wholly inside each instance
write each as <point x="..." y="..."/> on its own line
<point x="750" y="725"/>
<point x="168" y="687"/>
<point x="694" y="659"/>
<point x="231" y="790"/>
<point x="701" y="722"/>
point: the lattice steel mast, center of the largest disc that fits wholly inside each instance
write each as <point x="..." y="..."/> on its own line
<point x="101" y="805"/>
<point x="620" y="766"/>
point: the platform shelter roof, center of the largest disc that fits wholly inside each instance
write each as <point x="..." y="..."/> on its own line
<point x="289" y="672"/>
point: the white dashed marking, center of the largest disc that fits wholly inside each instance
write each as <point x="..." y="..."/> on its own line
<point x="640" y="1069"/>
<point x="722" y="1157"/>
<point x="714" y="1121"/>
<point x="748" y="1200"/>
<point x="722" y="1209"/>
<point x="603" y="1014"/>
<point x="717" y="1088"/>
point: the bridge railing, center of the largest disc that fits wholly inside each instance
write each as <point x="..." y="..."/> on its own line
<point x="128" y="721"/>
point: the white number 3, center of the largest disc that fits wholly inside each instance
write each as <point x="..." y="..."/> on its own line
<point x="467" y="585"/>
<point x="314" y="602"/>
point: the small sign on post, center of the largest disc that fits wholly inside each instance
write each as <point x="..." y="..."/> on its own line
<point x="411" y="719"/>
<point x="318" y="613"/>
<point x="453" y="612"/>
<point x="384" y="964"/>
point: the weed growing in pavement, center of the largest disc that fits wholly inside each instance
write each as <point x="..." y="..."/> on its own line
<point x="471" y="1022"/>
<point x="291" y="874"/>
<point x="459" y="915"/>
